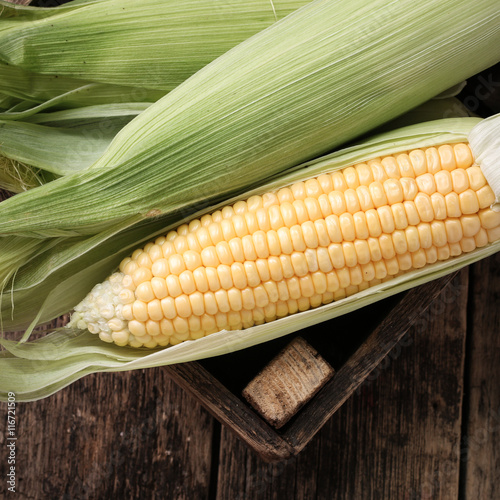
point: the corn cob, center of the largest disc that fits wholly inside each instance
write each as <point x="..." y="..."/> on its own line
<point x="296" y="248"/>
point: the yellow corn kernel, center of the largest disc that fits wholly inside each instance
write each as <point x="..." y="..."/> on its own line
<point x="418" y="159"/>
<point x="426" y="183"/>
<point x="490" y="219"/>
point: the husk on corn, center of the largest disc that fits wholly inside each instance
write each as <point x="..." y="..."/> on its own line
<point x="66" y="141"/>
<point x="24" y="94"/>
<point x="63" y="142"/>
<point x="323" y="75"/>
<point x="165" y="42"/>
<point x="40" y="368"/>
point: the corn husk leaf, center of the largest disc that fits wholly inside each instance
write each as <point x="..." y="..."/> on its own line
<point x="88" y="115"/>
<point x="485" y="144"/>
<point x="25" y="94"/>
<point x="37" y="369"/>
<point x="322" y="76"/>
<point x="31" y="92"/>
<point x="165" y="42"/>
<point x="67" y="141"/>
<point x="71" y="140"/>
<point x="19" y="250"/>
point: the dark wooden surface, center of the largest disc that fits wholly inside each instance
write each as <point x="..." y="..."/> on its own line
<point x="425" y="425"/>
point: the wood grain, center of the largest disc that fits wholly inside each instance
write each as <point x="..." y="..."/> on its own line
<point x="288" y="382"/>
<point x="396" y="438"/>
<point x="123" y="435"/>
<point x="480" y="447"/>
<point x="242" y="421"/>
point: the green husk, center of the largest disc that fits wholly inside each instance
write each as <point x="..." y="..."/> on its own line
<point x="37" y="369"/>
<point x="66" y="141"/>
<point x="322" y="76"/>
<point x="89" y="115"/>
<point x="51" y="55"/>
<point x="25" y="93"/>
<point x="485" y="143"/>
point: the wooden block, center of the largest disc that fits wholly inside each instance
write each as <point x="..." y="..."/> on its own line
<point x="288" y="382"/>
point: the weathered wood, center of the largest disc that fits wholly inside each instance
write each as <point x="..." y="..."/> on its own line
<point x="243" y="475"/>
<point x="480" y="447"/>
<point x="121" y="435"/>
<point x="398" y="436"/>
<point x="288" y="382"/>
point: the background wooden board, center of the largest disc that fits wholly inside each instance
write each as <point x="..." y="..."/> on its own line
<point x="402" y="435"/>
<point x="480" y="448"/>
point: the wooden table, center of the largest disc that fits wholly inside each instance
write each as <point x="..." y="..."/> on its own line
<point x="425" y="426"/>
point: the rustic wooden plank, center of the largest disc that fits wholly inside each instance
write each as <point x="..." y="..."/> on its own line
<point x="121" y="435"/>
<point x="243" y="475"/>
<point x="288" y="382"/>
<point x="232" y="468"/>
<point x="480" y="448"/>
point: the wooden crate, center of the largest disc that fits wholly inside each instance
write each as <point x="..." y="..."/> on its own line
<point x="354" y="345"/>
